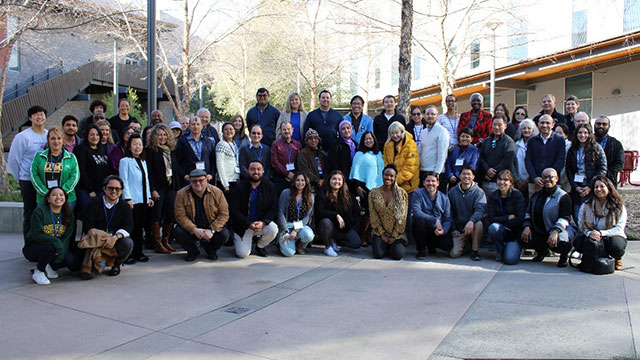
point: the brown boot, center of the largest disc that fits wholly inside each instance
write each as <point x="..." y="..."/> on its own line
<point x="618" y="264"/>
<point x="299" y="248"/>
<point x="166" y="232"/>
<point x="157" y="239"/>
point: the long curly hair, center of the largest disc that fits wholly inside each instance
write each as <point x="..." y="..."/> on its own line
<point x="614" y="199"/>
<point x="152" y="139"/>
<point x="306" y="192"/>
<point x="590" y="146"/>
<point x="343" y="198"/>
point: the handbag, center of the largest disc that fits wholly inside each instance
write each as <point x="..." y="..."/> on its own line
<point x="595" y="259"/>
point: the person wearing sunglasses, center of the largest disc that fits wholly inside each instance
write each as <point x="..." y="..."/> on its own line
<point x="111" y="214"/>
<point x="496" y="154"/>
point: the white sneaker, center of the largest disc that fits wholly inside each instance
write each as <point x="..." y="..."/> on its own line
<point x="51" y="274"/>
<point x="330" y="252"/>
<point x="40" y="278"/>
<point x="335" y="247"/>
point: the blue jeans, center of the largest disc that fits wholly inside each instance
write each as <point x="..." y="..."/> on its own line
<point x="288" y="248"/>
<point x="510" y="250"/>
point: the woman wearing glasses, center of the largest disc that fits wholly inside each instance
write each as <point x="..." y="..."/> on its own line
<point x="417" y="124"/>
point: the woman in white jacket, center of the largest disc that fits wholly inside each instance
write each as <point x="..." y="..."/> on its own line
<point x="227" y="159"/>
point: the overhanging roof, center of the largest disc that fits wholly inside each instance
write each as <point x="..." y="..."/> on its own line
<point x="524" y="75"/>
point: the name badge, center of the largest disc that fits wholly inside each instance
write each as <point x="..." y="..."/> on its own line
<point x="459" y="162"/>
<point x="237" y="170"/>
<point x="578" y="178"/>
<point x="169" y="173"/>
<point x="297" y="225"/>
<point x="291" y="166"/>
<point x="52" y="183"/>
<point x="200" y="165"/>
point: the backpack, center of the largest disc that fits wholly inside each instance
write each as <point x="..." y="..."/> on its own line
<point x="595" y="259"/>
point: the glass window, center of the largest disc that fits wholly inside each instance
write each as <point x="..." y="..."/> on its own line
<point x="395" y="75"/>
<point x="475" y="54"/>
<point x="517" y="41"/>
<point x="522" y="98"/>
<point x="579" y="27"/>
<point x="486" y="103"/>
<point x="582" y="87"/>
<point x="631" y="15"/>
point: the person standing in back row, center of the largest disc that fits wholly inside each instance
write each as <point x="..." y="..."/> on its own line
<point x="324" y="120"/>
<point x="388" y="115"/>
<point x="264" y="114"/>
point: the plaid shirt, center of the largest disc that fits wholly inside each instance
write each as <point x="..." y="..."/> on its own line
<point x="482" y="127"/>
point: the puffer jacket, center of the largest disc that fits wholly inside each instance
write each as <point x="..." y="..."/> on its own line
<point x="405" y="157"/>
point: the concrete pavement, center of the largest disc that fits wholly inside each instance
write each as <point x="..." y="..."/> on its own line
<point x="316" y="307"/>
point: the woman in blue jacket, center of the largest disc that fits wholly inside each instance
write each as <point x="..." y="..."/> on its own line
<point x="136" y="192"/>
<point x="462" y="154"/>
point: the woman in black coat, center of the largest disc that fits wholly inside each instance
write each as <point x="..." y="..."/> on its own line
<point x="505" y="212"/>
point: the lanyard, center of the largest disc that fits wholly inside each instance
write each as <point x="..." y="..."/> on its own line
<point x="108" y="219"/>
<point x="597" y="221"/>
<point x="53" y="221"/>
<point x="51" y="162"/>
<point x="298" y="205"/>
<point x="289" y="153"/>
<point x="451" y="122"/>
<point x="258" y="155"/>
<point x="580" y="157"/>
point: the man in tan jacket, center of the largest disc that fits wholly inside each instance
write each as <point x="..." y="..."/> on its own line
<point x="201" y="214"/>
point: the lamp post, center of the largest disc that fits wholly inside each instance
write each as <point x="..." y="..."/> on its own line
<point x="151" y="57"/>
<point x="493" y="25"/>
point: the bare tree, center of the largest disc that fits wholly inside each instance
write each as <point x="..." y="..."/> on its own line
<point x="404" y="63"/>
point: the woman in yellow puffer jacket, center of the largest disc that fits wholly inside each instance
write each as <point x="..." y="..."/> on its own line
<point x="402" y="151"/>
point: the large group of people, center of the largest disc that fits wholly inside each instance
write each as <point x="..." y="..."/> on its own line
<point x="445" y="182"/>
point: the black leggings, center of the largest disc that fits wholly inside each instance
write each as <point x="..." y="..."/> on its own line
<point x="162" y="210"/>
<point x="44" y="254"/>
<point x="328" y="231"/>
<point x="380" y="248"/>
<point x="139" y="221"/>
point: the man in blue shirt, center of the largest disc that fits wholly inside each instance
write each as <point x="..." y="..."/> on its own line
<point x="264" y="114"/>
<point x="324" y="120"/>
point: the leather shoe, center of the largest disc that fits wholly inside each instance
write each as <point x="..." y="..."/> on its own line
<point x="421" y="254"/>
<point x="540" y="256"/>
<point x="300" y="248"/>
<point x="212" y="256"/>
<point x="618" y="264"/>
<point x="562" y="262"/>
<point x="190" y="258"/>
<point x="115" y="270"/>
<point x="130" y="261"/>
<point x="142" y="258"/>
<point x="261" y="252"/>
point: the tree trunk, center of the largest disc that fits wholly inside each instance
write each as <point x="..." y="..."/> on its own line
<point x="404" y="63"/>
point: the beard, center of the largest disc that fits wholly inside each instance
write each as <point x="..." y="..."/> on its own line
<point x="600" y="132"/>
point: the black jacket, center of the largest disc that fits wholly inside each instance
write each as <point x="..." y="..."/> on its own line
<point x="381" y="126"/>
<point x="187" y="158"/>
<point x="326" y="209"/>
<point x="614" y="152"/>
<point x="340" y="158"/>
<point x="239" y="206"/>
<point x="120" y="216"/>
<point x="157" y="170"/>
<point x="559" y="118"/>
<point x="499" y="209"/>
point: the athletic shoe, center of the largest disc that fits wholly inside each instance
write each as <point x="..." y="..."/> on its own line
<point x="40" y="278"/>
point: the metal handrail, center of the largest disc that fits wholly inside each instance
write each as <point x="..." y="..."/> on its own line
<point x="23" y="88"/>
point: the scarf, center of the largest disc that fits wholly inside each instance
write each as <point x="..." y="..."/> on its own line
<point x="166" y="156"/>
<point x="349" y="141"/>
<point x="398" y="204"/>
<point x="592" y="211"/>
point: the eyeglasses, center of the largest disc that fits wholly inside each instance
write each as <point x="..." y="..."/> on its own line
<point x="114" y="188"/>
<point x="416" y="114"/>
<point x="548" y="177"/>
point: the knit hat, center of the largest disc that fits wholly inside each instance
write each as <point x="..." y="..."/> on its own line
<point x="311" y="133"/>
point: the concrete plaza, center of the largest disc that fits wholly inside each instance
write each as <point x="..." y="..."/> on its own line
<point x="317" y="307"/>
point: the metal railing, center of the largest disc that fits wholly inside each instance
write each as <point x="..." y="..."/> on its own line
<point x="23" y="88"/>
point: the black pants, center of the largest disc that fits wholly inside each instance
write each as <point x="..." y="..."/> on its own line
<point x="162" y="210"/>
<point x="328" y="232"/>
<point x="190" y="242"/>
<point x="426" y="238"/>
<point x="44" y="254"/>
<point x="396" y="250"/>
<point x="29" y="204"/>
<point x="539" y="243"/>
<point x="140" y="212"/>
<point x="615" y="246"/>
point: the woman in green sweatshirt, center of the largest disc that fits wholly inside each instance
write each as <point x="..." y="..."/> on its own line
<point x="47" y="242"/>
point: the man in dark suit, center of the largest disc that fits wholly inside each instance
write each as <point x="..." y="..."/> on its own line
<point x="612" y="148"/>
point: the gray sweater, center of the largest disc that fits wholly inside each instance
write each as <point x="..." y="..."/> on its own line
<point x="467" y="205"/>
<point x="283" y="224"/>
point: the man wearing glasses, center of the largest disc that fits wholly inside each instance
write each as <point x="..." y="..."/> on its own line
<point x="201" y="214"/>
<point x="264" y="114"/>
<point x="496" y="154"/>
<point x="113" y="216"/>
<point x="546" y="222"/>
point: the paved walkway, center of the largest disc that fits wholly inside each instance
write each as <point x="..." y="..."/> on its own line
<point x="316" y="307"/>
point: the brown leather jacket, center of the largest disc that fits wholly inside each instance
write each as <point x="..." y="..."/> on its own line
<point x="215" y="207"/>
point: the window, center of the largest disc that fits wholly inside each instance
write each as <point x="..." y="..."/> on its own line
<point x="631" y="15"/>
<point x="522" y="98"/>
<point x="579" y="27"/>
<point x="395" y="75"/>
<point x="486" y="103"/>
<point x="475" y="54"/>
<point x="14" y="59"/>
<point x="416" y="68"/>
<point x="131" y="59"/>
<point x="517" y="41"/>
<point x="580" y="86"/>
<point x="354" y="77"/>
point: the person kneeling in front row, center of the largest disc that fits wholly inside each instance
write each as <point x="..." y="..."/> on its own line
<point x="431" y="217"/>
<point x="201" y="214"/>
<point x="110" y="214"/>
<point x="254" y="209"/>
<point x="547" y="222"/>
<point x="468" y="207"/>
<point x="388" y="206"/>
